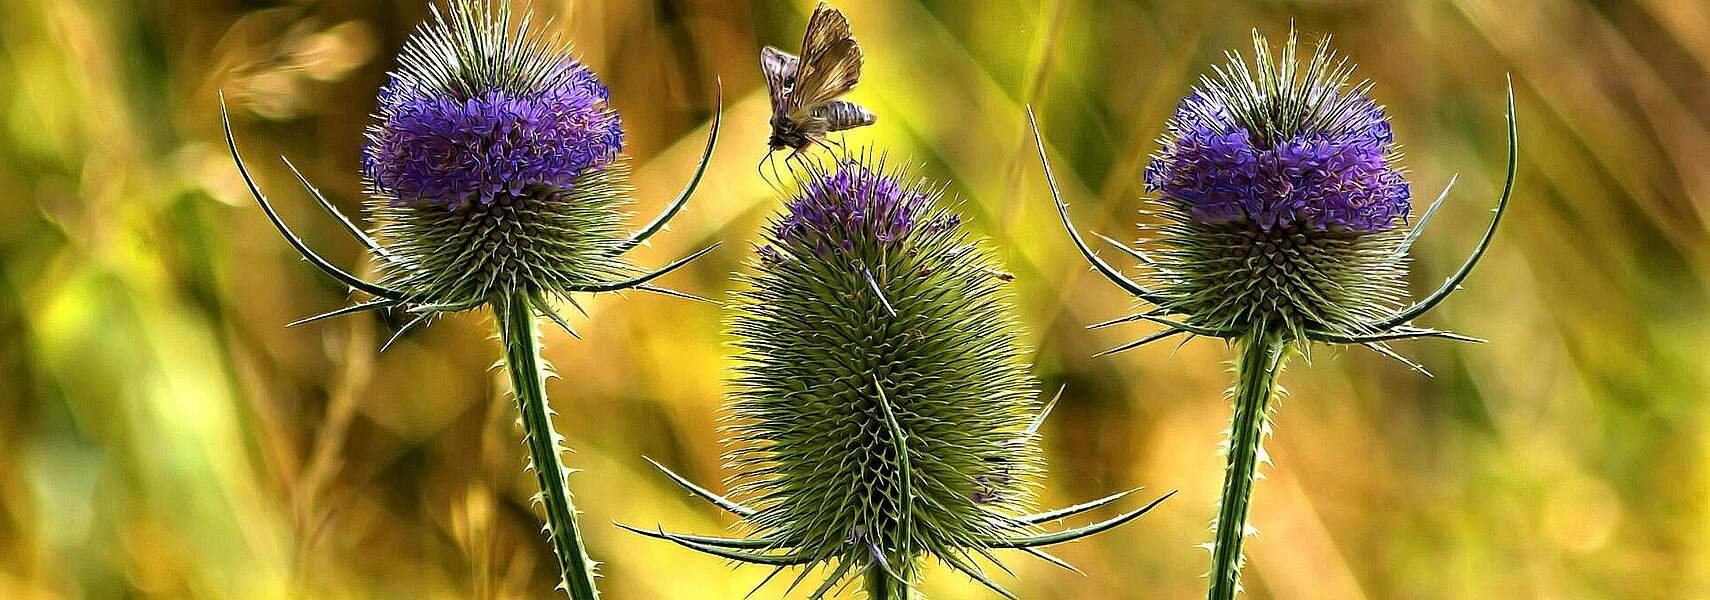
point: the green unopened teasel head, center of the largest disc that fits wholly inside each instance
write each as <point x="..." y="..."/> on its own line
<point x="883" y="410"/>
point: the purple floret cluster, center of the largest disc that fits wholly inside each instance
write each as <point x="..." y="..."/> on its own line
<point x="1339" y="177"/>
<point x="854" y="205"/>
<point x="434" y="147"/>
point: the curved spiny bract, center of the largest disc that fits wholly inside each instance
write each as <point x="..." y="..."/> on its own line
<point x="883" y="412"/>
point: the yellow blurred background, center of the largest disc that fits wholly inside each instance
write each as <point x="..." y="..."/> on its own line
<point x="163" y="435"/>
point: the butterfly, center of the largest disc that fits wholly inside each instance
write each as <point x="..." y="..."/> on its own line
<point x="804" y="89"/>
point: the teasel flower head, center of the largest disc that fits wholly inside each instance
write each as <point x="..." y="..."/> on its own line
<point x="1283" y="197"/>
<point x="883" y="411"/>
<point x="1284" y="209"/>
<point x="495" y="168"/>
<point x="1285" y="222"/>
<point x="496" y="164"/>
<point x="497" y="179"/>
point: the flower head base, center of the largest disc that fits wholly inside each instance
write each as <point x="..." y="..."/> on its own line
<point x="883" y="410"/>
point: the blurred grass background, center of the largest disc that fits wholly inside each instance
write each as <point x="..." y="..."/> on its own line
<point x="163" y="435"/>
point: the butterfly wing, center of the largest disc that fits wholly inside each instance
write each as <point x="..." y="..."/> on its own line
<point x="825" y="77"/>
<point x="830" y="63"/>
<point x="779" y="67"/>
<point x="826" y="26"/>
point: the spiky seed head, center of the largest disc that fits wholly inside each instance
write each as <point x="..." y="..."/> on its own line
<point x="495" y="163"/>
<point x="1283" y="193"/>
<point x="868" y="298"/>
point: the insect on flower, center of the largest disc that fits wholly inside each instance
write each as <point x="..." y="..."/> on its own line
<point x="804" y="90"/>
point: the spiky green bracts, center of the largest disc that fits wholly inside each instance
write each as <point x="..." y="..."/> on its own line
<point x="1284" y="208"/>
<point x="883" y="411"/>
<point x="497" y="179"/>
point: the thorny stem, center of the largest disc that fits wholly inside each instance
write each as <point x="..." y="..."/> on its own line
<point x="1262" y="356"/>
<point x="528" y="380"/>
<point x="882" y="586"/>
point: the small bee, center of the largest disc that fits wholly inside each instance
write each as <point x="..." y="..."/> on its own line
<point x="804" y="89"/>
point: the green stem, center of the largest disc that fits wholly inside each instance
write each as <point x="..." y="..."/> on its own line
<point x="528" y="380"/>
<point x="881" y="586"/>
<point x="1262" y="355"/>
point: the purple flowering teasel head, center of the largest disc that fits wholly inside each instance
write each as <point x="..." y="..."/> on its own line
<point x="1283" y="197"/>
<point x="502" y="142"/>
<point x="1284" y="209"/>
<point x="495" y="168"/>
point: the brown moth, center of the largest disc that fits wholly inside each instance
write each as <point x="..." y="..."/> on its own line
<point x="804" y="89"/>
